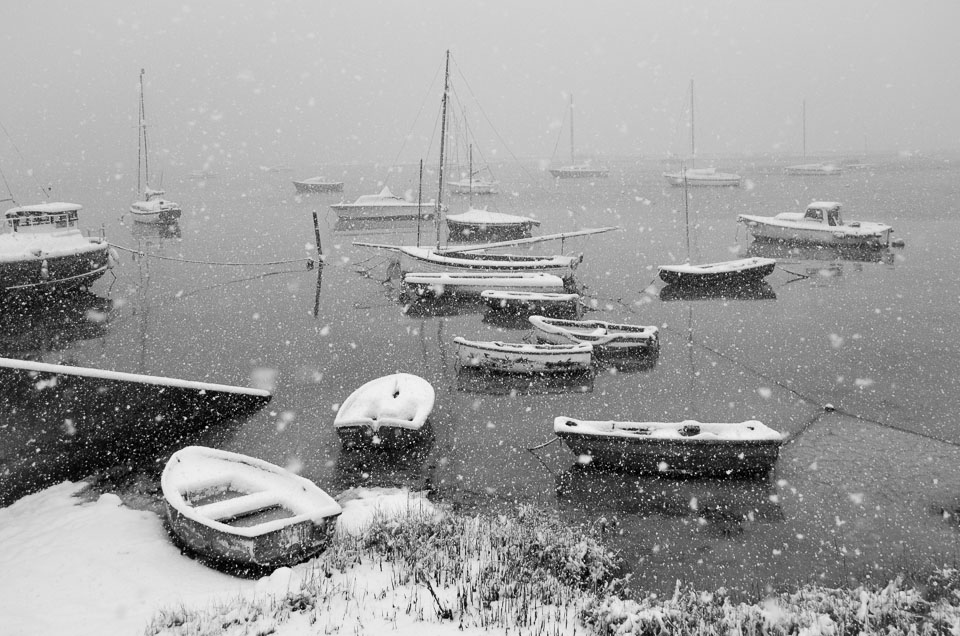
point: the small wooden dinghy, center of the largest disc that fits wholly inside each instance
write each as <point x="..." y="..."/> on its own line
<point x="606" y="337"/>
<point x="529" y="302"/>
<point x="387" y="412"/>
<point x="434" y="285"/>
<point x="522" y="357"/>
<point x="742" y="271"/>
<point x="689" y="447"/>
<point x="240" y="510"/>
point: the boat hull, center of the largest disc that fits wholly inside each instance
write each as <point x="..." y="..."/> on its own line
<point x="350" y="211"/>
<point x="160" y="216"/>
<point x="731" y="181"/>
<point x="872" y="235"/>
<point x="36" y="274"/>
<point x="749" y="272"/>
<point x="814" y="170"/>
<point x="529" y="303"/>
<point x="387" y="438"/>
<point x="691" y="456"/>
<point x="306" y="187"/>
<point x="470" y="231"/>
<point x="435" y="285"/>
<point x="579" y="173"/>
<point x="523" y="358"/>
<point x="476" y="188"/>
<point x="605" y="338"/>
<point x="421" y="259"/>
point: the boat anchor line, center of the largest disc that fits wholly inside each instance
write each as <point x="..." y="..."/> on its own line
<point x="310" y="261"/>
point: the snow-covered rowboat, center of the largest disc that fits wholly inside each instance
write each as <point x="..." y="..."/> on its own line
<point x="522" y="357"/>
<point x="435" y="284"/>
<point x="317" y="185"/>
<point x="737" y="272"/>
<point x="689" y="447"/>
<point x="606" y="337"/>
<point x="240" y="510"/>
<point x="483" y="225"/>
<point x="387" y="412"/>
<point x="820" y="224"/>
<point x="528" y="302"/>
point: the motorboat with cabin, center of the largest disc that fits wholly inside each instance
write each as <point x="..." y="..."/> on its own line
<point x="821" y="223"/>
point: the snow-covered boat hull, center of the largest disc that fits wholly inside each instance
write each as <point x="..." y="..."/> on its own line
<point x="744" y="271"/>
<point x="606" y="338"/>
<point x="387" y="412"/>
<point x="705" y="177"/>
<point x="476" y="225"/>
<point x="425" y="259"/>
<point x="579" y="172"/>
<point x="689" y="448"/>
<point x="820" y="224"/>
<point x="814" y="170"/>
<point x="530" y="303"/>
<point x="510" y="357"/>
<point x="434" y="285"/>
<point x="238" y="510"/>
<point x="309" y="186"/>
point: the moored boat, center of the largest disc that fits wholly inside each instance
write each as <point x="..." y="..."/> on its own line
<point x="703" y="177"/>
<point x="688" y="448"/>
<point x="42" y="248"/>
<point x="605" y="337"/>
<point x="814" y="170"/>
<point x="580" y="171"/>
<point x="736" y="272"/>
<point x="384" y="205"/>
<point x="528" y="302"/>
<point x="477" y="224"/>
<point x="821" y="223"/>
<point x="474" y="185"/>
<point x="317" y="185"/>
<point x="386" y="412"/>
<point x="153" y="208"/>
<point x="522" y="357"/>
<point x="436" y="284"/>
<point x="239" y="510"/>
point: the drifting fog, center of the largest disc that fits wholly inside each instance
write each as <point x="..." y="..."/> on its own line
<point x="312" y="83"/>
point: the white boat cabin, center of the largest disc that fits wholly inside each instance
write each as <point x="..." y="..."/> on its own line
<point x="825" y="212"/>
<point x="42" y="218"/>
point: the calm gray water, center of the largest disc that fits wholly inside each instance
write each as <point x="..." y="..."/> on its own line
<point x="860" y="493"/>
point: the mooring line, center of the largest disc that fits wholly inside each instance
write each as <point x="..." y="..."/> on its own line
<point x="309" y="259"/>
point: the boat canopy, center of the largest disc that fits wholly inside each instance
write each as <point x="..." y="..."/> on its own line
<point x="818" y="209"/>
<point x="42" y="217"/>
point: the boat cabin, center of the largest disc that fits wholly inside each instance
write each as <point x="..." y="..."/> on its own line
<point x="42" y="217"/>
<point x="827" y="212"/>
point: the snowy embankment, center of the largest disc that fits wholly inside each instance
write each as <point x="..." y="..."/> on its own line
<point x="398" y="564"/>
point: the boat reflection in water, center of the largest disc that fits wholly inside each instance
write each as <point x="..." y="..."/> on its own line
<point x="727" y="504"/>
<point x="607" y="362"/>
<point x="147" y="231"/>
<point x="820" y="253"/>
<point x="751" y="291"/>
<point x="57" y="425"/>
<point x="40" y="325"/>
<point x="474" y="380"/>
<point x="429" y="307"/>
<point x="400" y="467"/>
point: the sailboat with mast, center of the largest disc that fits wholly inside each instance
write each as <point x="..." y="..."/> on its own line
<point x="474" y="258"/>
<point x="812" y="169"/>
<point x="476" y="181"/>
<point x="578" y="170"/>
<point x="700" y="176"/>
<point x="153" y="208"/>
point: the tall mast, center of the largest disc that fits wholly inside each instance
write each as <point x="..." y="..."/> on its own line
<point x="443" y="139"/>
<point x="142" y="142"/>
<point x="573" y="159"/>
<point x="693" y="141"/>
<point x="470" y="176"/>
<point x="804" y="129"/>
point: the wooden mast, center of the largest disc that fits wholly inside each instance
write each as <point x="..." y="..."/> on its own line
<point x="443" y="139"/>
<point x="804" y="114"/>
<point x="573" y="159"/>
<point x="693" y="128"/>
<point x="142" y="142"/>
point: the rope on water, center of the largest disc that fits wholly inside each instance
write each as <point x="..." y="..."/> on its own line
<point x="309" y="260"/>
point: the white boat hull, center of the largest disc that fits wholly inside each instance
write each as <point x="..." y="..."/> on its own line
<point x="434" y="285"/>
<point x="605" y="337"/>
<point x="579" y="173"/>
<point x="508" y="357"/>
<point x="814" y="170"/>
<point x="425" y="259"/>
<point x="156" y="215"/>
<point x="873" y="235"/>
<point x="350" y="211"/>
<point x="721" y="180"/>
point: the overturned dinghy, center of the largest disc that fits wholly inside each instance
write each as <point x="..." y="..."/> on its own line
<point x="522" y="357"/>
<point x="436" y="284"/>
<point x="387" y="412"/>
<point x="240" y="510"/>
<point x="606" y="337"/>
<point x="686" y="448"/>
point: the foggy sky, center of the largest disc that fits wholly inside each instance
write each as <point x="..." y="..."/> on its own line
<point x="316" y="83"/>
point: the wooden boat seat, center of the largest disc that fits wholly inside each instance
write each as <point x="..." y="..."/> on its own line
<point x="239" y="506"/>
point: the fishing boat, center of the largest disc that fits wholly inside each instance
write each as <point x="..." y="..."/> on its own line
<point x="42" y="249"/>
<point x="700" y="176"/>
<point x="821" y="224"/>
<point x="529" y="302"/>
<point x="385" y="205"/>
<point x="477" y="224"/>
<point x="605" y="337"/>
<point x="315" y="185"/>
<point x="153" y="208"/>
<point x="238" y="510"/>
<point x="743" y="271"/>
<point x="690" y="448"/>
<point x="436" y="284"/>
<point x="812" y="169"/>
<point x="576" y="170"/>
<point x="386" y="412"/>
<point x="522" y="357"/>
